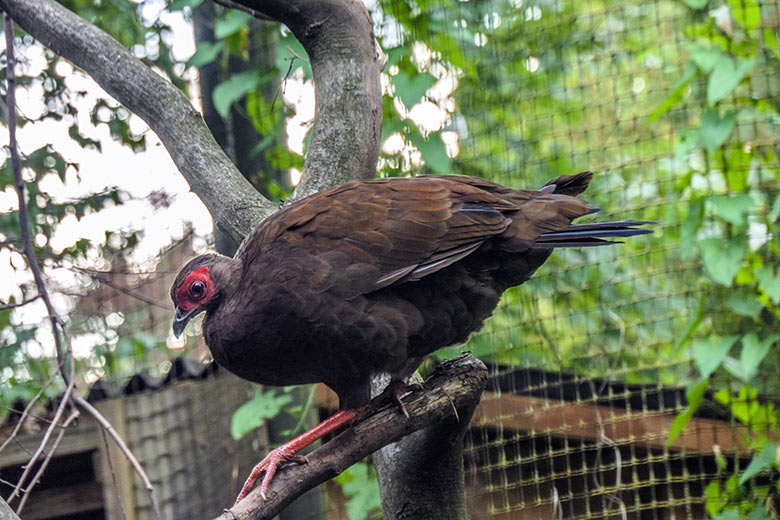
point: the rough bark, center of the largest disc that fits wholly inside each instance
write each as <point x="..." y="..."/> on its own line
<point x="6" y="513"/>
<point x="235" y="205"/>
<point x="456" y="384"/>
<point x="426" y="464"/>
<point x="346" y="63"/>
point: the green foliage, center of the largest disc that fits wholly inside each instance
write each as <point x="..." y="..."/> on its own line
<point x="411" y="88"/>
<point x="233" y="89"/>
<point x="252" y="414"/>
<point x="360" y="487"/>
<point x="695" y="397"/>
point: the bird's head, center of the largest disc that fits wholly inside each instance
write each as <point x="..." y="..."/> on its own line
<point x="199" y="286"/>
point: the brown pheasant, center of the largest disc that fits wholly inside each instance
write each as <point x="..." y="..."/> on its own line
<point x="373" y="275"/>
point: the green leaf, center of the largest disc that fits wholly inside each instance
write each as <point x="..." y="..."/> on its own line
<point x="433" y="151"/>
<point x="230" y="91"/>
<point x="695" y="397"/>
<point x="769" y="283"/>
<point x="760" y="462"/>
<point x="206" y="53"/>
<point x="712" y="497"/>
<point x="775" y="213"/>
<point x="705" y="57"/>
<point x="290" y="53"/>
<point x="721" y="259"/>
<point x="714" y="130"/>
<point x="250" y="415"/>
<point x="725" y="77"/>
<point x="708" y="353"/>
<point x="753" y="353"/>
<point x="728" y="514"/>
<point x="694" y="321"/>
<point x="746" y="13"/>
<point x="689" y="139"/>
<point x="360" y="486"/>
<point x="411" y="89"/>
<point x="231" y="23"/>
<point x="759" y="513"/>
<point x="178" y="5"/>
<point x="744" y="305"/>
<point x="677" y="93"/>
<point x="732" y="209"/>
<point x="696" y="4"/>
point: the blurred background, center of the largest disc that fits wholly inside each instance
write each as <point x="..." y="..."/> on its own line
<point x="638" y="381"/>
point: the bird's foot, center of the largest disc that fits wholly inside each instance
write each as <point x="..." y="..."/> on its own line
<point x="269" y="465"/>
<point x="288" y="452"/>
<point x="394" y="391"/>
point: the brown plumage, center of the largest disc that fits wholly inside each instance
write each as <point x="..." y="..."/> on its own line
<point x="373" y="275"/>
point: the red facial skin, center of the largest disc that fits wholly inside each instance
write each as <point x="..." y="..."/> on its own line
<point x="184" y="295"/>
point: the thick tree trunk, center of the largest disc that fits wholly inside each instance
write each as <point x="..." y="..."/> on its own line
<point x="421" y="476"/>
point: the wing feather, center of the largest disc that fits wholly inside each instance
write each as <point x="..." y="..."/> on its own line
<point x="376" y="233"/>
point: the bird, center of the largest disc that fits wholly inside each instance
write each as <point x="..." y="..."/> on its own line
<point x="372" y="276"/>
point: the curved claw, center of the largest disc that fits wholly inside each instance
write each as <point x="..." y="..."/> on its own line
<point x="287" y="452"/>
<point x="269" y="465"/>
<point x="394" y="391"/>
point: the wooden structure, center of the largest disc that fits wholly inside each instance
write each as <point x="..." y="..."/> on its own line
<point x="541" y="445"/>
<point x="553" y="445"/>
<point x="179" y="428"/>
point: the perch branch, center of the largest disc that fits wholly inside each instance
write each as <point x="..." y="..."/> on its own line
<point x="6" y="513"/>
<point x="346" y="63"/>
<point x="233" y="202"/>
<point x="456" y="384"/>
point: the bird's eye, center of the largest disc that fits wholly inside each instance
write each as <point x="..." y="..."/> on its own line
<point x="197" y="289"/>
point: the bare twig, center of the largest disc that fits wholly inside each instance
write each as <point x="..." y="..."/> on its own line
<point x="31" y="260"/>
<point x="102" y="278"/>
<point x="91" y="410"/>
<point x="113" y="473"/>
<point x="57" y="324"/>
<point x="44" y="441"/>
<point x="26" y="411"/>
<point x="72" y="417"/>
<point x="19" y="304"/>
<point x="19" y="185"/>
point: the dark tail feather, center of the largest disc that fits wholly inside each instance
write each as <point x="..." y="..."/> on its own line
<point x="585" y="235"/>
<point x="571" y="185"/>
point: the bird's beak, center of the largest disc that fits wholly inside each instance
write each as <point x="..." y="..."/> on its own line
<point x="181" y="319"/>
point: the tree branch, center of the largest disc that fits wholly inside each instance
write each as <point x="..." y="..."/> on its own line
<point x="6" y="513"/>
<point x="452" y="391"/>
<point x="233" y="202"/>
<point x="346" y="63"/>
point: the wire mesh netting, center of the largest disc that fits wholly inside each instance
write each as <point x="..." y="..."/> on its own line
<point x="633" y="381"/>
<point x="674" y="106"/>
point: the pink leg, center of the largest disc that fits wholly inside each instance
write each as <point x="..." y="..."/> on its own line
<point x="287" y="452"/>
